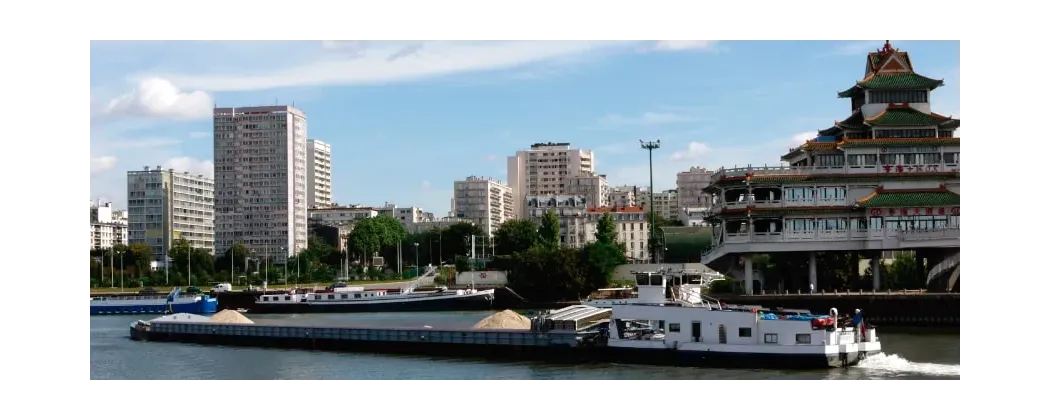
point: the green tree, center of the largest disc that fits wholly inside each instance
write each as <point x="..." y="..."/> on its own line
<point x="141" y="255"/>
<point x="455" y="240"/>
<point x="235" y="257"/>
<point x="549" y="230"/>
<point x="600" y="260"/>
<point x="515" y="236"/>
<point x="606" y="230"/>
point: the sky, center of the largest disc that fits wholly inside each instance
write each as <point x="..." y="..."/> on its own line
<point x="406" y="119"/>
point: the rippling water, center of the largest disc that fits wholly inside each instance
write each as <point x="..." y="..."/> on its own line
<point x="114" y="356"/>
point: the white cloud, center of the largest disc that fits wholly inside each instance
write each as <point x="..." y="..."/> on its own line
<point x="377" y="63"/>
<point x="491" y="158"/>
<point x="684" y="45"/>
<point x="425" y="185"/>
<point x="157" y="97"/>
<point x="693" y="151"/>
<point x="101" y="164"/>
<point x="191" y="165"/>
<point x="801" y="138"/>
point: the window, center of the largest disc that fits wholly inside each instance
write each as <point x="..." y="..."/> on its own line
<point x="674" y="327"/>
<point x="287" y="298"/>
<point x="331" y="297"/>
<point x="317" y="297"/>
<point x="344" y="296"/>
<point x="744" y="332"/>
<point x="357" y="295"/>
<point x="770" y="339"/>
<point x="803" y="338"/>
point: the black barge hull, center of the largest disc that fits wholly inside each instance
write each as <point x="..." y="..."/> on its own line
<point x="478" y="302"/>
<point x="551" y="347"/>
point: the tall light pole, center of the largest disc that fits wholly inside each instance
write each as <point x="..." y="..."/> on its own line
<point x="417" y="257"/>
<point x="648" y="145"/>
<point x="285" y="252"/>
<point x="189" y="266"/>
<point x="112" y="278"/>
<point x="121" y="271"/>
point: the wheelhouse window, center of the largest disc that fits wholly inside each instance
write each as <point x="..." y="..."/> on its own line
<point x="674" y="327"/>
<point x="744" y="332"/>
<point x="803" y="338"/>
<point x="770" y="338"/>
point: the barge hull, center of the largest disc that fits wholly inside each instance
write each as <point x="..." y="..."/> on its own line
<point x="733" y="360"/>
<point x="479" y="302"/>
<point x="203" y="306"/>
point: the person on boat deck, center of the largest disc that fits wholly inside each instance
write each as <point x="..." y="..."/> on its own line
<point x="858" y="322"/>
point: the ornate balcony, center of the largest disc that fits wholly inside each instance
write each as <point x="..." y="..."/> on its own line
<point x="831" y="170"/>
<point x="832" y="240"/>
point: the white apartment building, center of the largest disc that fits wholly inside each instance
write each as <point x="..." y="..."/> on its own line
<point x="665" y="203"/>
<point x="261" y="179"/>
<point x="165" y="205"/>
<point x="318" y="174"/>
<point x="623" y="196"/>
<point x="691" y="184"/>
<point x="440" y="223"/>
<point x="632" y="229"/>
<point x="544" y="170"/>
<point x="594" y="189"/>
<point x="406" y="215"/>
<point x="341" y="215"/>
<point x="484" y="201"/>
<point x="571" y="211"/>
<point x="108" y="228"/>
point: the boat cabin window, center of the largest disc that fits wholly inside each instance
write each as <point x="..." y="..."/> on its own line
<point x="771" y="339"/>
<point x="803" y="338"/>
<point x="674" y="327"/>
<point x="331" y="297"/>
<point x="744" y="332"/>
<point x="345" y="296"/>
<point x="317" y="297"/>
<point x="357" y="295"/>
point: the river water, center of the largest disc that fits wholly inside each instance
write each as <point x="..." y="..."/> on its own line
<point x="912" y="355"/>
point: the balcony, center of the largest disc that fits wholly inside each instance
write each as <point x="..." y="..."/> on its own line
<point x="832" y="170"/>
<point x="773" y="204"/>
<point x="829" y="240"/>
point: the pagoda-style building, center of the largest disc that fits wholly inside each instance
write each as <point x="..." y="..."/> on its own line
<point x="884" y="178"/>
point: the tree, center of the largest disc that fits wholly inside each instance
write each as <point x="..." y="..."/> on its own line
<point x="455" y="240"/>
<point x="549" y="230"/>
<point x="606" y="230"/>
<point x="141" y="255"/>
<point x="238" y="253"/>
<point x="515" y="236"/>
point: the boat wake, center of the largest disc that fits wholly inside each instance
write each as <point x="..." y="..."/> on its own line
<point x="894" y="364"/>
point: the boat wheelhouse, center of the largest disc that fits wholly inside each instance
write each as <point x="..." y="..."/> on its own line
<point x="174" y="301"/>
<point x="886" y="178"/>
<point x="700" y="331"/>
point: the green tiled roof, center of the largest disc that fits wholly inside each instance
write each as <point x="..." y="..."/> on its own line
<point x="855" y="120"/>
<point x="899" y="142"/>
<point x="912" y="199"/>
<point x="905" y="117"/>
<point x="893" y="81"/>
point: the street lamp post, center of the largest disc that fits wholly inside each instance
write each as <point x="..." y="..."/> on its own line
<point x="189" y="266"/>
<point x="285" y="252"/>
<point x="121" y="271"/>
<point x="266" y="263"/>
<point x="417" y="257"/>
<point x="648" y="145"/>
<point x="112" y="278"/>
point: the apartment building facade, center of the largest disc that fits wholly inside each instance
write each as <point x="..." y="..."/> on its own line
<point x="318" y="174"/>
<point x="165" y="205"/>
<point x="544" y="169"/>
<point x="261" y="179"/>
<point x="484" y="201"/>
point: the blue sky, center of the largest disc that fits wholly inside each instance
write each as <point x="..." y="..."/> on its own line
<point x="406" y="119"/>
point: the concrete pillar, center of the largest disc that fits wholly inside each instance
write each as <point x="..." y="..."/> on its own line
<point x="876" y="271"/>
<point x="812" y="271"/>
<point x="749" y="273"/>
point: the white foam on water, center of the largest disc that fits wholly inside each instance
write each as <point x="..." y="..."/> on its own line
<point x="892" y="363"/>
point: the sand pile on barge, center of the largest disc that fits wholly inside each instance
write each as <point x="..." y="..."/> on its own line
<point x="228" y="316"/>
<point x="505" y="320"/>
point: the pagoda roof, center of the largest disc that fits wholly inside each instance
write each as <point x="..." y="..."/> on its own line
<point x="905" y="115"/>
<point x="890" y="68"/>
<point x="910" y="198"/>
<point x="825" y="178"/>
<point x="892" y="81"/>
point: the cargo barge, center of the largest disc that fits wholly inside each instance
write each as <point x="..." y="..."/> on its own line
<point x="173" y="302"/>
<point x="656" y="330"/>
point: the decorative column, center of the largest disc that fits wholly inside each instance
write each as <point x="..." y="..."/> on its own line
<point x="749" y="272"/>
<point x="812" y="271"/>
